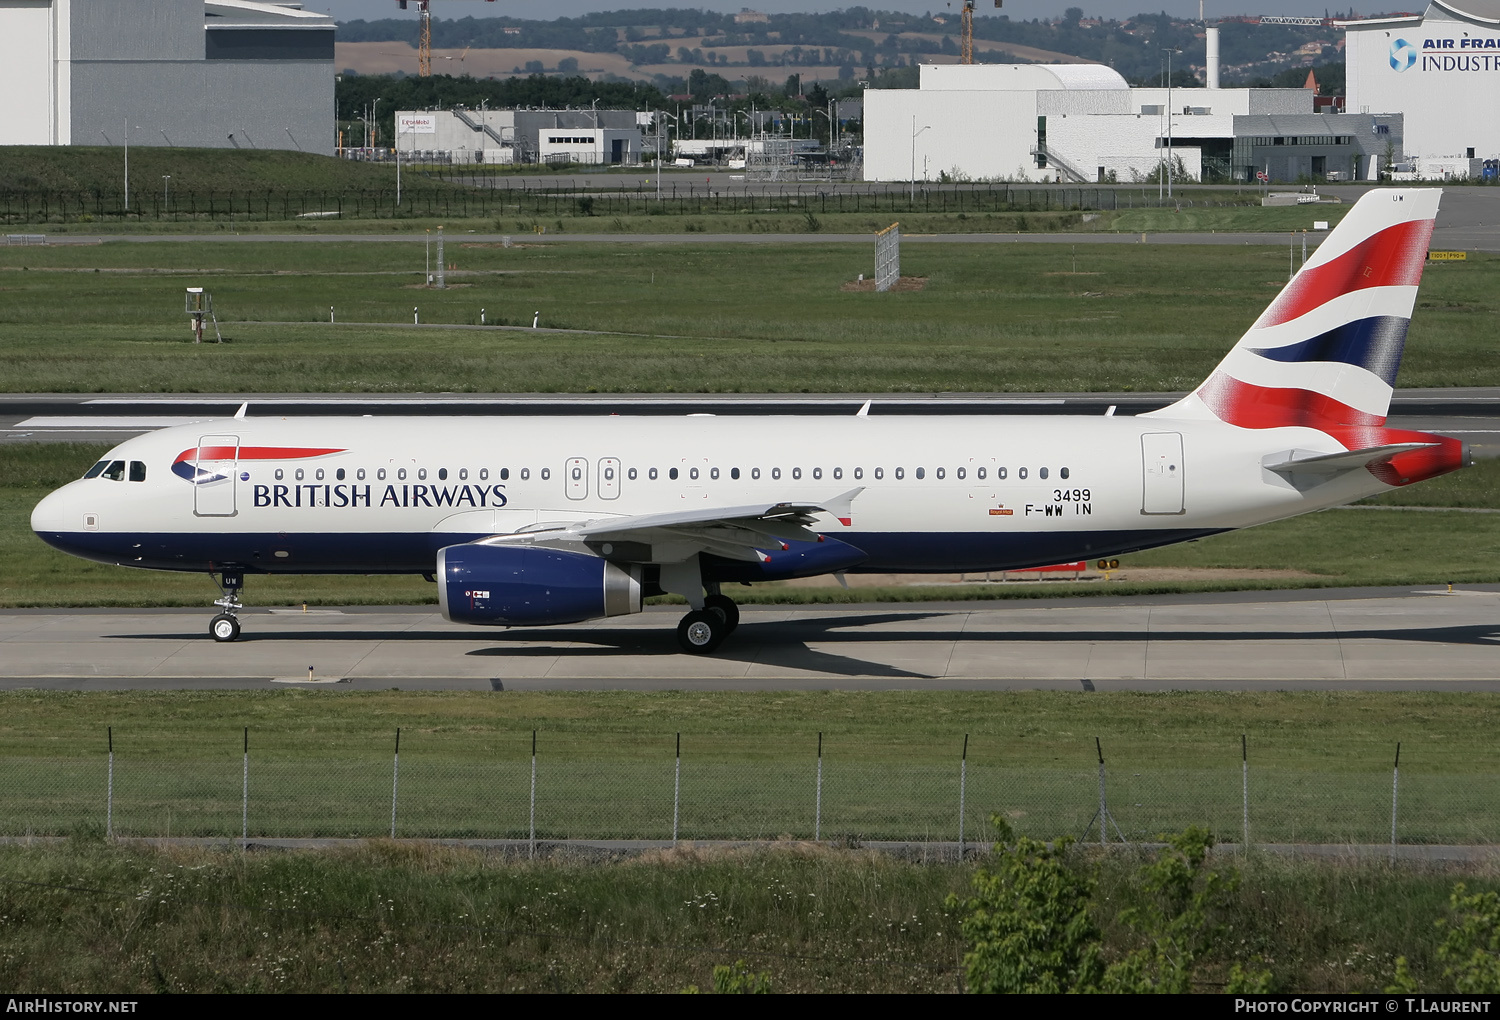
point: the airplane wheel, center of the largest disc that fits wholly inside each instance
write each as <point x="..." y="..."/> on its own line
<point x="701" y="631"/>
<point x="224" y="627"/>
<point x="727" y="610"/>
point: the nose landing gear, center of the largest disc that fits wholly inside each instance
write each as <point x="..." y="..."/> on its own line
<point x="226" y="626"/>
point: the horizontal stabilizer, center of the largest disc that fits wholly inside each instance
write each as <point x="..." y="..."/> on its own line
<point x="1302" y="462"/>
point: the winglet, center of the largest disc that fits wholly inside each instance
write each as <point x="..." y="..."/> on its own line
<point x="841" y="506"/>
<point x="240" y="414"/>
<point x="864" y="412"/>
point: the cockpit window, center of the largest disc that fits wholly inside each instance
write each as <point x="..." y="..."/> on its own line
<point x="97" y="469"/>
<point x="116" y="471"/>
<point x="137" y="471"/>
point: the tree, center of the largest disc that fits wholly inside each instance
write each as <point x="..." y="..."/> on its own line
<point x="1470" y="954"/>
<point x="1028" y="924"/>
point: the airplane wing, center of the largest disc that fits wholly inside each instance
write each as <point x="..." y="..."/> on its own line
<point x="736" y="532"/>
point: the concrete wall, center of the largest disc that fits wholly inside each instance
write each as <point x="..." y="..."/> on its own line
<point x="1126" y="145"/>
<point x="28" y="48"/>
<point x="137" y="29"/>
<point x="262" y="104"/>
<point x="976" y="135"/>
<point x="1448" y="90"/>
<point x="1227" y="101"/>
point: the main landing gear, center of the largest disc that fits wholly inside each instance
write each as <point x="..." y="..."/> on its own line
<point x="226" y="626"/>
<point x="702" y="630"/>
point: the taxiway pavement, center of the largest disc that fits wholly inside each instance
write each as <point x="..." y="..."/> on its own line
<point x="1346" y="639"/>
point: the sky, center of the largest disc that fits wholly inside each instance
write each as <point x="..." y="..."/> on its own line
<point x="346" y="10"/>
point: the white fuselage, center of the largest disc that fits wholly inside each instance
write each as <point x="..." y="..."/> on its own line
<point x="938" y="493"/>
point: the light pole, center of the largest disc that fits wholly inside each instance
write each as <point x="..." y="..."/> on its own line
<point x="1168" y="169"/>
<point x="374" y="122"/>
<point x="164" y="179"/>
<point x="127" y="164"/>
<point x="914" y="132"/>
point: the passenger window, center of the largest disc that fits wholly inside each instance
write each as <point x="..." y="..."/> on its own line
<point x="299" y="474"/>
<point x="1020" y="472"/>
<point x="693" y="474"/>
<point x="463" y="474"/>
<point x="981" y="473"/>
<point x="672" y="474"/>
<point x="714" y="473"/>
<point x="921" y="472"/>
<point x="817" y="473"/>
<point x="734" y="473"/>
<point x="1063" y="472"/>
<point x="961" y="473"/>
<point x="137" y="471"/>
<point x="651" y="474"/>
<point x="442" y="474"/>
<point x="96" y="470"/>
<point x="400" y="474"/>
<point x="421" y="474"/>
<point x="360" y="474"/>
<point x="116" y="471"/>
<point x="879" y="473"/>
<point x="797" y="473"/>
<point x="379" y="474"/>
<point x="1042" y="473"/>
<point x="775" y="474"/>
<point x="339" y="474"/>
<point x="319" y="475"/>
<point x="1000" y="473"/>
<point x="577" y="473"/>
<point x="631" y="474"/>
<point x="755" y="474"/>
<point x="900" y="473"/>
<point x="940" y="472"/>
<point x="546" y="474"/>
<point x="526" y="474"/>
<point x="838" y="473"/>
<point x="859" y="473"/>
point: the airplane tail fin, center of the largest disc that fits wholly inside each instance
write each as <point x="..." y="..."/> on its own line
<point x="1326" y="350"/>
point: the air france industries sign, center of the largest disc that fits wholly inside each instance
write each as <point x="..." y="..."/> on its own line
<point x="1461" y="54"/>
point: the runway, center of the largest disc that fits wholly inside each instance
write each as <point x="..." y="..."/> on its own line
<point x="1345" y="639"/>
<point x="1470" y="414"/>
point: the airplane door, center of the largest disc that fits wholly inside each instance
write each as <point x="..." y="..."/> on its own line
<point x="213" y="480"/>
<point x="576" y="473"/>
<point x="609" y="478"/>
<point x="1161" y="460"/>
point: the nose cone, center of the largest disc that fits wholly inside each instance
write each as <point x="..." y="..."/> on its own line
<point x="50" y="516"/>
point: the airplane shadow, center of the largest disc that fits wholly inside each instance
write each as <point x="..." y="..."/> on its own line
<point x="786" y="642"/>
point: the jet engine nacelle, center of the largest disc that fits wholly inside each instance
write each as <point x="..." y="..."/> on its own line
<point x="526" y="586"/>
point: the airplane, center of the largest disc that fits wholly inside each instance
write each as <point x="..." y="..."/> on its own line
<point x="533" y="521"/>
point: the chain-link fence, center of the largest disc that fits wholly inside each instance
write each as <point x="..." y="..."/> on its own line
<point x="726" y="793"/>
<point x="500" y="198"/>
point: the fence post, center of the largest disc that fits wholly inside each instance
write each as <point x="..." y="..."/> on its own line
<point x="818" y="798"/>
<point x="395" y="777"/>
<point x="245" y="796"/>
<point x="1244" y="795"/>
<point x="109" y="788"/>
<point x="963" y="782"/>
<point x="1395" y="789"/>
<point x="676" y="789"/>
<point x="1103" y="807"/>
<point x="533" y="793"/>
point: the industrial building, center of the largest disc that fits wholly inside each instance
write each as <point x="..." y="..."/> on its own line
<point x="521" y="136"/>
<point x="1442" y="69"/>
<point x="215" y="74"/>
<point x="1083" y="123"/>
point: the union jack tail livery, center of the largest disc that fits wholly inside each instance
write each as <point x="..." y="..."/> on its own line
<point x="1324" y="353"/>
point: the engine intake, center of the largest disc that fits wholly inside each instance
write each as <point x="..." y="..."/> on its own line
<point x="527" y="586"/>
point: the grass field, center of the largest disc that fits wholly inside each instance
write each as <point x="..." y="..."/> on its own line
<point x="321" y="764"/>
<point x="700" y="318"/>
<point x="90" y="918"/>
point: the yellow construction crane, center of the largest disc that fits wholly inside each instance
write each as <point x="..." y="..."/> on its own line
<point x="967" y="57"/>
<point x="424" y="36"/>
